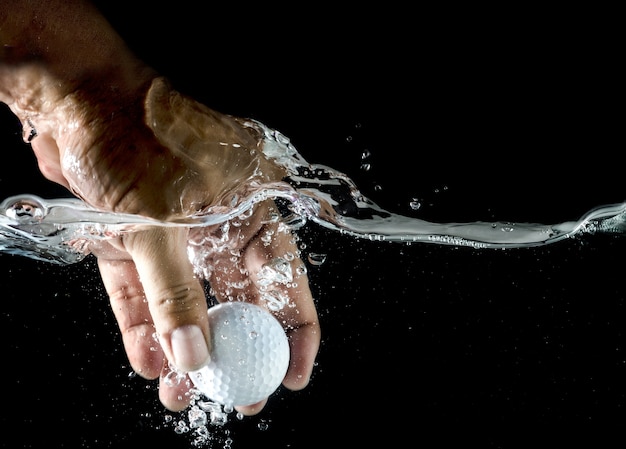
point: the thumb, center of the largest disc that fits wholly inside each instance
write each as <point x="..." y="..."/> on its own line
<point x="175" y="297"/>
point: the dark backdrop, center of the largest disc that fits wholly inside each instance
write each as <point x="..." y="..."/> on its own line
<point x="513" y="119"/>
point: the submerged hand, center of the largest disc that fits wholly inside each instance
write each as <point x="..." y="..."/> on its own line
<point x="134" y="269"/>
<point x="119" y="137"/>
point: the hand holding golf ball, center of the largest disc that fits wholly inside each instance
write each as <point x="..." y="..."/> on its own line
<point x="249" y="355"/>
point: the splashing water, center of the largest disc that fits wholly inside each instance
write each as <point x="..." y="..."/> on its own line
<point x="203" y="418"/>
<point x="60" y="230"/>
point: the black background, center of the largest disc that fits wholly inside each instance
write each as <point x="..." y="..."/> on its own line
<point x="517" y="118"/>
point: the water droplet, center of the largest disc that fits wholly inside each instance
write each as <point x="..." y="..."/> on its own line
<point x="173" y="378"/>
<point x="316" y="259"/>
<point x="415" y="204"/>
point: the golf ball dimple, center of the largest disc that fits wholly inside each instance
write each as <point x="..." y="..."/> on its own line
<point x="249" y="355"/>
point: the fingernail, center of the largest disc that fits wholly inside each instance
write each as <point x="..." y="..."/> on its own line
<point x="189" y="348"/>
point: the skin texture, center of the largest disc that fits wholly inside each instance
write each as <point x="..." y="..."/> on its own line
<point x="120" y="137"/>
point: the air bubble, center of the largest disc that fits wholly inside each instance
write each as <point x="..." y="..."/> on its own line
<point x="316" y="259"/>
<point x="26" y="210"/>
<point x="277" y="270"/>
<point x="415" y="204"/>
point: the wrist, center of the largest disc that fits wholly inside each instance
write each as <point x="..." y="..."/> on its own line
<point x="63" y="34"/>
<point x="55" y="48"/>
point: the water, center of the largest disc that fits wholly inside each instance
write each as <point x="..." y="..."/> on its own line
<point x="61" y="230"/>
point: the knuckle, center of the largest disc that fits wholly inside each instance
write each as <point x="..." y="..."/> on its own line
<point x="179" y="299"/>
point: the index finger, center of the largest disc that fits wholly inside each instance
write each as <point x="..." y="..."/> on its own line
<point x="175" y="296"/>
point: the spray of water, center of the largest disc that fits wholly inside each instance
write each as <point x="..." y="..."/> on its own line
<point x="61" y="231"/>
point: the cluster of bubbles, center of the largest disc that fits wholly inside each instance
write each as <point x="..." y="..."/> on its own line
<point x="204" y="422"/>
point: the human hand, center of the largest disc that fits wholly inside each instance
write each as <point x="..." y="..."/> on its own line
<point x="123" y="140"/>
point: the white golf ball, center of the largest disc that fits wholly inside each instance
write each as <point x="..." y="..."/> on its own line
<point x="249" y="355"/>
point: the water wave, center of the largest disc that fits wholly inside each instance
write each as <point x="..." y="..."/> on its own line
<point x="59" y="230"/>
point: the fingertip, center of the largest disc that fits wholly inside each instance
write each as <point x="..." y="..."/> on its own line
<point x="190" y="348"/>
<point x="252" y="409"/>
<point x="174" y="399"/>
<point x="143" y="351"/>
<point x="296" y="380"/>
<point x="304" y="343"/>
<point x="173" y="390"/>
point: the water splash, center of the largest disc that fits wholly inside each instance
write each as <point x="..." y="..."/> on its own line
<point x="204" y="421"/>
<point x="61" y="230"/>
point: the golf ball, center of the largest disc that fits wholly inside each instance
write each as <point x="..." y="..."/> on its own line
<point x="249" y="355"/>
